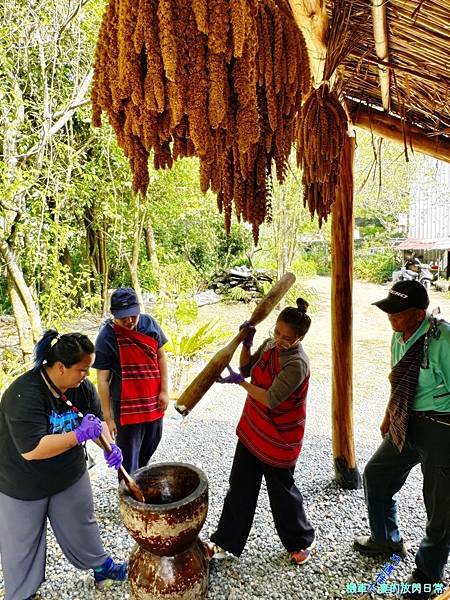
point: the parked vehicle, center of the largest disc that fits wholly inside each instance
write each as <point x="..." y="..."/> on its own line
<point x="414" y="269"/>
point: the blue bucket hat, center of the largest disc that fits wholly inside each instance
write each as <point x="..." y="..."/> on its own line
<point x="124" y="303"/>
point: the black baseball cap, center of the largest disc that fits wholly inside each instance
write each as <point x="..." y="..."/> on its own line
<point x="404" y="295"/>
<point x="124" y="303"/>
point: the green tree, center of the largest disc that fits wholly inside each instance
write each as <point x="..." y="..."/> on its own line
<point x="382" y="184"/>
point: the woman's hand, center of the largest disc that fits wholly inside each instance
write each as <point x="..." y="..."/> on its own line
<point x="112" y="427"/>
<point x="90" y="428"/>
<point x="163" y="401"/>
<point x="233" y="377"/>
<point x="114" y="458"/>
<point x="251" y="330"/>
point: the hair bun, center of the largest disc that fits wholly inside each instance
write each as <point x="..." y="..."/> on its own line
<point x="302" y="305"/>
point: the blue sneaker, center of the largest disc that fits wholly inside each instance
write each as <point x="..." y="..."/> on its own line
<point x="109" y="573"/>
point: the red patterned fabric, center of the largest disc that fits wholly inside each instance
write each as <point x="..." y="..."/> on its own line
<point x="275" y="435"/>
<point x="141" y="378"/>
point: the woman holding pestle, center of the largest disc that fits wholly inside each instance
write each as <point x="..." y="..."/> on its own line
<point x="43" y="471"/>
<point x="270" y="434"/>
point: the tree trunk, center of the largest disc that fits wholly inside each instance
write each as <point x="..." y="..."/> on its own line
<point x="22" y="321"/>
<point x="347" y="474"/>
<point x="15" y="274"/>
<point x="105" y="272"/>
<point x="133" y="266"/>
<point x="97" y="252"/>
<point x="150" y="245"/>
<point x="66" y="259"/>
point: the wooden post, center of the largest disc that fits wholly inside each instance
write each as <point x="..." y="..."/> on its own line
<point x="347" y="474"/>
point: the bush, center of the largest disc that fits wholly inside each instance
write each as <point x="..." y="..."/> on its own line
<point x="180" y="278"/>
<point x="186" y="344"/>
<point x="320" y="255"/>
<point x="376" y="268"/>
<point x="147" y="277"/>
<point x="237" y="294"/>
<point x="304" y="266"/>
<point x="299" y="290"/>
<point x="11" y="365"/>
<point x="64" y="297"/>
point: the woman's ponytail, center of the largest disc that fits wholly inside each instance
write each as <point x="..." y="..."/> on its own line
<point x="69" y="348"/>
<point x="43" y="347"/>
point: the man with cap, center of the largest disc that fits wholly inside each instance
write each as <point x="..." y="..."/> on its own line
<point x="415" y="429"/>
<point x="132" y="378"/>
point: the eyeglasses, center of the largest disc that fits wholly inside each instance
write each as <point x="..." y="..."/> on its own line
<point x="286" y="341"/>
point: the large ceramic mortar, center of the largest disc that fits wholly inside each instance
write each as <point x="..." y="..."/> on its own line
<point x="180" y="577"/>
<point x="169" y="561"/>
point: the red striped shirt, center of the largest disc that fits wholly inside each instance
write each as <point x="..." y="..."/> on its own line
<point x="274" y="435"/>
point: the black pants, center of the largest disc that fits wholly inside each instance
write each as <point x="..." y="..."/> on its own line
<point x="286" y="502"/>
<point x="427" y="443"/>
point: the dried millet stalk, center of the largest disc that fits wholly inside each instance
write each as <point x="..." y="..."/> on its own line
<point x="219" y="79"/>
<point x="320" y="155"/>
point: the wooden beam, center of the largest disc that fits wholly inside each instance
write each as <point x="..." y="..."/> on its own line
<point x="311" y="16"/>
<point x="380" y="35"/>
<point x="392" y="128"/>
<point x="347" y="474"/>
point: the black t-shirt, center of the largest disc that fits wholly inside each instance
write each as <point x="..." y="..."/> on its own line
<point x="28" y="412"/>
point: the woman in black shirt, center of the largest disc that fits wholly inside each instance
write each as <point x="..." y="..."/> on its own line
<point x="43" y="468"/>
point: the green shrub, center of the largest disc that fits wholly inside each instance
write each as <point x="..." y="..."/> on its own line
<point x="188" y="342"/>
<point x="299" y="290"/>
<point x="376" y="268"/>
<point x="147" y="277"/>
<point x="64" y="297"/>
<point x="320" y="255"/>
<point x="186" y="311"/>
<point x="180" y="277"/>
<point x="304" y="266"/>
<point x="237" y="294"/>
<point x="11" y="365"/>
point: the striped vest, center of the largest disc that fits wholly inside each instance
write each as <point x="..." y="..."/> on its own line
<point x="275" y="436"/>
<point x="141" y="377"/>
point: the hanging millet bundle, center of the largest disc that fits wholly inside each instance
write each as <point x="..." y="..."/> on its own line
<point x="223" y="80"/>
<point x="320" y="155"/>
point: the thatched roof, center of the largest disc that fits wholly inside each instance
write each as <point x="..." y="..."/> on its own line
<point x="418" y="43"/>
<point x="413" y="42"/>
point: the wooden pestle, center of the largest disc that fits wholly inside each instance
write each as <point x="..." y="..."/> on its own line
<point x="134" y="488"/>
<point x="204" y="380"/>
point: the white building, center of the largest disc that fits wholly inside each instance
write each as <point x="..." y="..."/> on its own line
<point x="429" y="215"/>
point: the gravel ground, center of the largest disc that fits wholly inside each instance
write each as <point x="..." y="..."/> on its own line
<point x="207" y="438"/>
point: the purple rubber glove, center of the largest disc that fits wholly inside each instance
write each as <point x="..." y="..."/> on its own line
<point x="113" y="458"/>
<point x="251" y="330"/>
<point x="89" y="429"/>
<point x="233" y="377"/>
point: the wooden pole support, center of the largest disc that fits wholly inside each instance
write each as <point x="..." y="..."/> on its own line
<point x="347" y="474"/>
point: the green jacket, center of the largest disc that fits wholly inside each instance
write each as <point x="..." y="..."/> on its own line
<point x="433" y="388"/>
